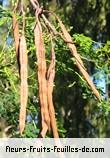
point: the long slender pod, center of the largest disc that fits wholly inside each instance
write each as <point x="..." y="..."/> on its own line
<point x="50" y="82"/>
<point x="16" y="38"/>
<point x="79" y="62"/>
<point x="40" y="53"/>
<point x="24" y="82"/>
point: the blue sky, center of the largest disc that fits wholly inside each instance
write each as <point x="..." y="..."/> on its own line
<point x="99" y="79"/>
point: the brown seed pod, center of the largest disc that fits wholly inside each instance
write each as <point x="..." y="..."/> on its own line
<point x="79" y="62"/>
<point x="40" y="53"/>
<point x="24" y="82"/>
<point x="16" y="37"/>
<point x="50" y="82"/>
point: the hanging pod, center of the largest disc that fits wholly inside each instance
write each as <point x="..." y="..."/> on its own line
<point x="24" y="82"/>
<point x="40" y="53"/>
<point x="50" y="83"/>
<point x="77" y="57"/>
<point x="16" y="37"/>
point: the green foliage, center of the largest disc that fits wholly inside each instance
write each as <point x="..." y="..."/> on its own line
<point x="105" y="106"/>
<point x="85" y="44"/>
